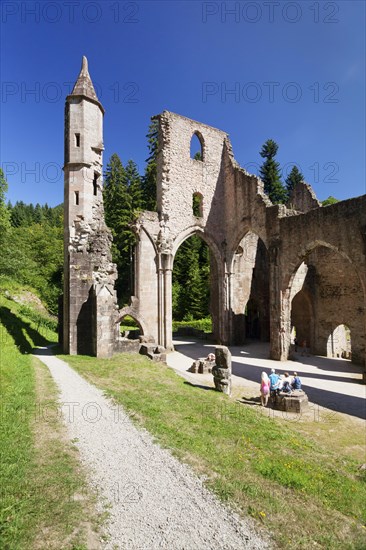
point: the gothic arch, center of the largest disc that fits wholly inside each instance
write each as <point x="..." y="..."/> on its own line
<point x="304" y="253"/>
<point x="335" y="285"/>
<point x="199" y="137"/>
<point x="249" y="289"/>
<point x="132" y="312"/>
<point x="197" y="230"/>
<point x="238" y="243"/>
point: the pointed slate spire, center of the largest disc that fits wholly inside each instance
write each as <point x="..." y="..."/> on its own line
<point x="84" y="85"/>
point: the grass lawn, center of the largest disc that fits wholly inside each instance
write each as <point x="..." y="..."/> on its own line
<point x="44" y="502"/>
<point x="308" y="495"/>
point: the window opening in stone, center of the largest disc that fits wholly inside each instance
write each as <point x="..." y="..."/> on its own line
<point x="77" y="140"/>
<point x="130" y="328"/>
<point x="197" y="205"/>
<point x="196" y="149"/>
<point x="95" y="184"/>
<point x="77" y="198"/>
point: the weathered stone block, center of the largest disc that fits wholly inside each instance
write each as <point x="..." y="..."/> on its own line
<point x="296" y="402"/>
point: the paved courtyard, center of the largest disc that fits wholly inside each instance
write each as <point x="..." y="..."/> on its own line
<point x="331" y="383"/>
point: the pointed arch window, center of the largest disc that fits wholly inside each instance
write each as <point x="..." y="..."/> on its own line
<point x="197" y="147"/>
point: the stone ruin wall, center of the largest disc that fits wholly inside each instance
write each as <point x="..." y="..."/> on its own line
<point x="256" y="248"/>
<point x="332" y="243"/>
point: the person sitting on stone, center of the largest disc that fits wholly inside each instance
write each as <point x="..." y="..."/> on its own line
<point x="296" y="382"/>
<point x="286" y="386"/>
<point x="264" y="389"/>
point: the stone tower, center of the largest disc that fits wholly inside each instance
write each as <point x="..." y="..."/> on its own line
<point x="89" y="303"/>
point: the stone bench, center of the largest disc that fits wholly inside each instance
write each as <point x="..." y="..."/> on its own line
<point x="296" y="402"/>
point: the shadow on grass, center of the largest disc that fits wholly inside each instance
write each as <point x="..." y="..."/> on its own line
<point x="200" y="386"/>
<point x="250" y="401"/>
<point x="18" y="329"/>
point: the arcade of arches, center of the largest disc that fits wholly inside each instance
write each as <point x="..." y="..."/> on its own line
<point x="274" y="270"/>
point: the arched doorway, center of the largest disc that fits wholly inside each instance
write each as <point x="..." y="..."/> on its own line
<point x="339" y="343"/>
<point x="250" y="290"/>
<point x="326" y="292"/>
<point x="191" y="284"/>
<point x="195" y="285"/>
<point x="129" y="327"/>
<point x="302" y="318"/>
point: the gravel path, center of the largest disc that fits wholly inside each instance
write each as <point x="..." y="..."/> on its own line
<point x="155" y="502"/>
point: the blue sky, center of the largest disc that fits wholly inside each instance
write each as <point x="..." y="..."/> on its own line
<point x="295" y="70"/>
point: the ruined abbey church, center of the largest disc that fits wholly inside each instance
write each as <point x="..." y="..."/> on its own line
<point x="273" y="267"/>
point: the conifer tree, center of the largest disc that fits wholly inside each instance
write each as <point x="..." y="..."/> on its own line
<point x="117" y="205"/>
<point x="294" y="177"/>
<point x="191" y="280"/>
<point x="193" y="287"/>
<point x="270" y="173"/>
<point x="134" y="186"/>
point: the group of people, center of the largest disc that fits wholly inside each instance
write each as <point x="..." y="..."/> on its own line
<point x="274" y="383"/>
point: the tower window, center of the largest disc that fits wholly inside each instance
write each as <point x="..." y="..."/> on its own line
<point x="95" y="184"/>
<point x="197" y="205"/>
<point x="196" y="148"/>
<point x="77" y="198"/>
<point x="77" y="140"/>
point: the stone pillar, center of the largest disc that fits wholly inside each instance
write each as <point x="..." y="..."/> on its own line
<point x="226" y="335"/>
<point x="280" y="309"/>
<point x="161" y="330"/>
<point x="274" y="303"/>
<point x="222" y="369"/>
<point x="167" y="261"/>
<point x="105" y="326"/>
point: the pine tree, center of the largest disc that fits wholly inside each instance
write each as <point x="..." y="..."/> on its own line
<point x="134" y="186"/>
<point x="150" y="177"/>
<point x="294" y="177"/>
<point x="270" y="173"/>
<point x="38" y="213"/>
<point x="118" y="216"/>
<point x="191" y="274"/>
<point x="193" y="287"/>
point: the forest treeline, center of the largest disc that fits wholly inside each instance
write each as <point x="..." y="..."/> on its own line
<point x="31" y="245"/>
<point x="31" y="236"/>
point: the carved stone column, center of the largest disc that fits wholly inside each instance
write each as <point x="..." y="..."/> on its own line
<point x="167" y="261"/>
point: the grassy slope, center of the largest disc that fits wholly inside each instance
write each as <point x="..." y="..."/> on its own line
<point x="309" y="496"/>
<point x="44" y="502"/>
